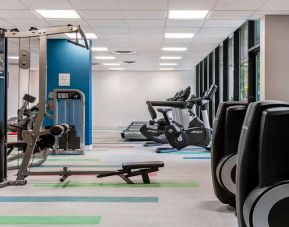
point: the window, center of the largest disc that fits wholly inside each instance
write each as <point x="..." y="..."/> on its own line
<point x="244" y="63"/>
<point x="257" y="71"/>
<point x="231" y="69"/>
<point x="257" y="32"/>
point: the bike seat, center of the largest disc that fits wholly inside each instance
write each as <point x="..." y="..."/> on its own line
<point x="164" y="110"/>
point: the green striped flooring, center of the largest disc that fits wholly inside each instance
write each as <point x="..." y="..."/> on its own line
<point x="50" y="220"/>
<point x="116" y="185"/>
<point x="77" y="199"/>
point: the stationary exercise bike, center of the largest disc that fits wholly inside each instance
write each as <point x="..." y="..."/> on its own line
<point x="197" y="135"/>
<point x="155" y="130"/>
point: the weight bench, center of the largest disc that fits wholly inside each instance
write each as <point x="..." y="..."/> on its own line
<point x="135" y="169"/>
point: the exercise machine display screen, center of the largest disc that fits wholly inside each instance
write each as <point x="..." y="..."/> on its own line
<point x="68" y="95"/>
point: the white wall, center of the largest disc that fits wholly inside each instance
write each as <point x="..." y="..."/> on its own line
<point x="18" y="87"/>
<point x="119" y="97"/>
<point x="274" y="56"/>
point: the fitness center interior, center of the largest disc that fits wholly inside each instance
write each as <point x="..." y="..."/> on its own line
<point x="148" y="113"/>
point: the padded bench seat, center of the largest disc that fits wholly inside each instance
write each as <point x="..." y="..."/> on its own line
<point x="142" y="165"/>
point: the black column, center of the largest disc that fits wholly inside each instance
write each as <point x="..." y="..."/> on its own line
<point x="225" y="69"/>
<point x="206" y="74"/>
<point x="211" y="112"/>
<point x="198" y="80"/>
<point x="237" y="65"/>
<point x="217" y="77"/>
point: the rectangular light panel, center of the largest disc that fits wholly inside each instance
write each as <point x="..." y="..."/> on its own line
<point x="187" y="14"/>
<point x="58" y="14"/>
<point x="179" y="35"/>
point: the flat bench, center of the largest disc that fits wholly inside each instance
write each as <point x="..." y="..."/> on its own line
<point x="135" y="169"/>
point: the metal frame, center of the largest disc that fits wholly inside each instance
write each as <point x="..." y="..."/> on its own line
<point x="253" y="50"/>
<point x="31" y="137"/>
<point x="82" y="134"/>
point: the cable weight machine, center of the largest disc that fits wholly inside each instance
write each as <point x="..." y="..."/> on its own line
<point x="31" y="137"/>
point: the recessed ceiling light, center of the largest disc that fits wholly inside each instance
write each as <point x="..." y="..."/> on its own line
<point x="174" y="49"/>
<point x="104" y="57"/>
<point x="179" y="35"/>
<point x="58" y="14"/>
<point x="111" y="64"/>
<point x="187" y="14"/>
<point x="117" y="69"/>
<point x="170" y="57"/>
<point x="167" y="69"/>
<point x="99" y="49"/>
<point x="88" y="35"/>
<point x="13" y="57"/>
<point x="168" y="64"/>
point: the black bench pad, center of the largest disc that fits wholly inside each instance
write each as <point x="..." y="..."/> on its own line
<point x="142" y="165"/>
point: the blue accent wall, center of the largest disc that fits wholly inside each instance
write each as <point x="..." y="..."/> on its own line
<point x="65" y="57"/>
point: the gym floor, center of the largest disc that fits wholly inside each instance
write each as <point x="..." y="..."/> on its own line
<point x="181" y="193"/>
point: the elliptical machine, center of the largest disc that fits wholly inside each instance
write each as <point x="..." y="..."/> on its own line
<point x="155" y="130"/>
<point x="199" y="135"/>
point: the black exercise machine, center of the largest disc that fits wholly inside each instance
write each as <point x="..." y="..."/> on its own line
<point x="225" y="140"/>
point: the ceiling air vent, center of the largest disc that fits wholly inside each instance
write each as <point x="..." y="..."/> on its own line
<point x="123" y="52"/>
<point x="129" y="62"/>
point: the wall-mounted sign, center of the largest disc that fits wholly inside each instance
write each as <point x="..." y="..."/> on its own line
<point x="64" y="79"/>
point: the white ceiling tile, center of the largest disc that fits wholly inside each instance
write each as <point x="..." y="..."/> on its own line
<point x="96" y="4"/>
<point x="102" y="15"/>
<point x="143" y="5"/>
<point x="185" y="23"/>
<point x="155" y="41"/>
<point x="201" y="47"/>
<point x="223" y="23"/>
<point x="115" y="30"/>
<point x="212" y="36"/>
<point x="29" y="23"/>
<point x="262" y="13"/>
<point x="191" y="4"/>
<point x="113" y="36"/>
<point x="181" y="30"/>
<point x="230" y="15"/>
<point x="11" y="4"/>
<point x="18" y="14"/>
<point x="147" y="36"/>
<point x="216" y="30"/>
<point x="107" y="23"/>
<point x="177" y="41"/>
<point x="146" y="30"/>
<point x="119" y="42"/>
<point x="276" y="5"/>
<point x="202" y="40"/>
<point x="5" y="24"/>
<point x="145" y="23"/>
<point x="239" y="5"/>
<point x="47" y="4"/>
<point x="56" y="22"/>
<point x="150" y="15"/>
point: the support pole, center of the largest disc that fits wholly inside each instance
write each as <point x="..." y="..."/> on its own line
<point x="33" y="136"/>
<point x="3" y="106"/>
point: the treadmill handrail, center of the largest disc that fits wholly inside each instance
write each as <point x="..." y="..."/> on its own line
<point x="177" y="104"/>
